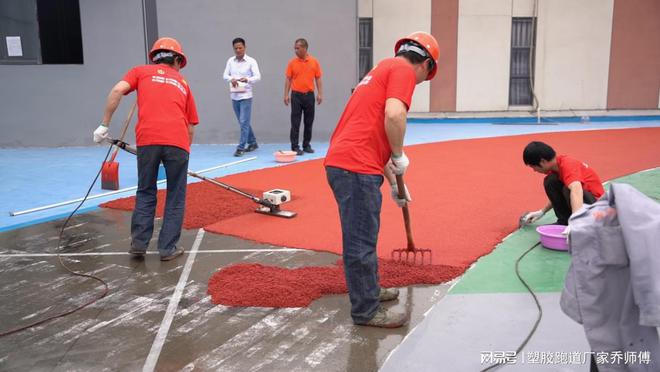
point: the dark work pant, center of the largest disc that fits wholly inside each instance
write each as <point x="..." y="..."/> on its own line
<point x="175" y="161"/>
<point x="301" y="103"/>
<point x="359" y="200"/>
<point x="560" y="197"/>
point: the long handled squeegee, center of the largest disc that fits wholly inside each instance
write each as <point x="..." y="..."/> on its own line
<point x="265" y="206"/>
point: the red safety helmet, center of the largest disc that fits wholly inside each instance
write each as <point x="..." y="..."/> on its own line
<point x="428" y="43"/>
<point x="168" y="43"/>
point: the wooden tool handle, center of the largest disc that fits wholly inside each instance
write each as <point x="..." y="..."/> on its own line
<point x="124" y="129"/>
<point x="406" y="214"/>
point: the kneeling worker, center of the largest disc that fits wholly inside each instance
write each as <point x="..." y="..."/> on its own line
<point x="569" y="182"/>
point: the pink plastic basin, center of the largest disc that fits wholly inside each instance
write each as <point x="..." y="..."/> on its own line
<point x="284" y="156"/>
<point x="552" y="238"/>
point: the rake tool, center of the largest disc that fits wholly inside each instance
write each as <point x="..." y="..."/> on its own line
<point x="410" y="254"/>
<point x="265" y="206"/>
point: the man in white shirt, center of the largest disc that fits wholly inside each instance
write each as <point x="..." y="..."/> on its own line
<point x="241" y="72"/>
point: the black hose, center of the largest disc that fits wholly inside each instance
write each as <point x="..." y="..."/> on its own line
<point x="538" y="305"/>
<point x="67" y="268"/>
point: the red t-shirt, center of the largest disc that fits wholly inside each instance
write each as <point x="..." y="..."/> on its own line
<point x="359" y="143"/>
<point x="166" y="106"/>
<point x="571" y="170"/>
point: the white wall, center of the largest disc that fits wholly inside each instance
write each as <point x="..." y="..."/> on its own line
<point x="573" y="53"/>
<point x="365" y="8"/>
<point x="484" y="49"/>
<point x="394" y="19"/>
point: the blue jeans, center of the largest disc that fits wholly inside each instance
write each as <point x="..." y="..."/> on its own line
<point x="359" y="200"/>
<point x="175" y="161"/>
<point x="243" y="111"/>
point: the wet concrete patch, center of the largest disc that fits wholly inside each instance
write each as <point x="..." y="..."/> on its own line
<point x="117" y="332"/>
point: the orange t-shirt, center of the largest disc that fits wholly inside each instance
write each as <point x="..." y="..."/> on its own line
<point x="302" y="73"/>
<point x="165" y="106"/>
<point x="359" y="143"/>
<point x="571" y="170"/>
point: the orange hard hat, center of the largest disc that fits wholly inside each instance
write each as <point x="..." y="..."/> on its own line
<point x="168" y="43"/>
<point x="428" y="43"/>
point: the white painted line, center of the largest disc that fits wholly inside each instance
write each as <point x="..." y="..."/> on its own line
<point x="51" y="206"/>
<point x="269" y="250"/>
<point x="161" y="336"/>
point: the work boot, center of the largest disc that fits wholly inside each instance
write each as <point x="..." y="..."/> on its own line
<point x="177" y="252"/>
<point x="386" y="319"/>
<point x="239" y="152"/>
<point x="308" y="149"/>
<point x="388" y="294"/>
<point x="252" y="147"/>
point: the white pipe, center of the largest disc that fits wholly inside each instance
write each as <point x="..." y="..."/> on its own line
<point x="51" y="206"/>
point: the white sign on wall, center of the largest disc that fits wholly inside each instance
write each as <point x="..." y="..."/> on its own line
<point x="14" y="47"/>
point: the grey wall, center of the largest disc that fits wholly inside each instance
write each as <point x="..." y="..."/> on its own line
<point x="60" y="105"/>
<point x="206" y="28"/>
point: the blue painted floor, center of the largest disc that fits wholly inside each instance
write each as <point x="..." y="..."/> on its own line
<point x="35" y="177"/>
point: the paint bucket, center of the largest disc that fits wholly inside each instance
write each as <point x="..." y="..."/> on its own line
<point x="284" y="156"/>
<point x="552" y="237"/>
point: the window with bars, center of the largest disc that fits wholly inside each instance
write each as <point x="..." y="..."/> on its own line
<point x="366" y="41"/>
<point x="523" y="36"/>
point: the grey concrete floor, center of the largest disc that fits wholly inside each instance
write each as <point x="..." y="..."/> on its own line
<point x="119" y="332"/>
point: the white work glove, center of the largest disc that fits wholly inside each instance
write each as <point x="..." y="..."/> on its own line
<point x="399" y="164"/>
<point x="100" y="133"/>
<point x="532" y="217"/>
<point x="395" y="195"/>
<point x="566" y="231"/>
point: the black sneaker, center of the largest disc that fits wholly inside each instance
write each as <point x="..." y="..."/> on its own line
<point x="239" y="152"/>
<point x="177" y="252"/>
<point x="308" y="149"/>
<point x="298" y="151"/>
<point x="252" y="147"/>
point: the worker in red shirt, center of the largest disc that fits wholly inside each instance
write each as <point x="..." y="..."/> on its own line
<point x="568" y="183"/>
<point x="366" y="145"/>
<point x="167" y="116"/>
<point x="301" y="73"/>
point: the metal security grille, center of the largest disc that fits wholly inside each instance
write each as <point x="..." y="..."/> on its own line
<point x="366" y="47"/>
<point x="523" y="34"/>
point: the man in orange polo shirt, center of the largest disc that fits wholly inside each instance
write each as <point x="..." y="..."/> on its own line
<point x="167" y="117"/>
<point x="569" y="183"/>
<point x="367" y="144"/>
<point x="301" y="73"/>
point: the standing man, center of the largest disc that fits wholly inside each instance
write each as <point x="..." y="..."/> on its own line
<point x="241" y="72"/>
<point x="367" y="144"/>
<point x="569" y="183"/>
<point x="301" y="73"/>
<point x="167" y="116"/>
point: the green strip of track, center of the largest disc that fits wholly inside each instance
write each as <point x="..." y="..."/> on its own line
<point x="542" y="268"/>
